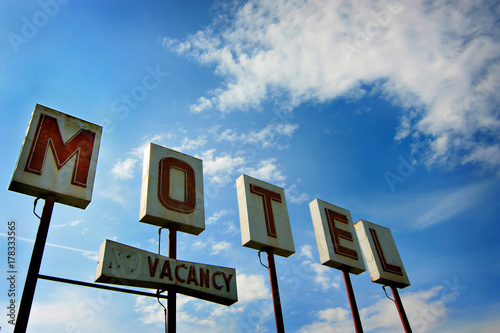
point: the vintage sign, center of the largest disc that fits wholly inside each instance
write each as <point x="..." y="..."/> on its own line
<point x="264" y="216"/>
<point x="58" y="156"/>
<point x="125" y="265"/>
<point x="336" y="238"/>
<point x="381" y="255"/>
<point x="172" y="190"/>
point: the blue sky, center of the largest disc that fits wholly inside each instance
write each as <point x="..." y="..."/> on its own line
<point x="387" y="109"/>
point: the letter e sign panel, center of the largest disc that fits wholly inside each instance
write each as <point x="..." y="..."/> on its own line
<point x="336" y="238"/>
<point x="58" y="156"/>
<point x="381" y="255"/>
<point x="172" y="190"/>
<point x="264" y="216"/>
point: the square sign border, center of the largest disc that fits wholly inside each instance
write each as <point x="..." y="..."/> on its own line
<point x="151" y="210"/>
<point x="327" y="255"/>
<point x="253" y="228"/>
<point x="53" y="180"/>
<point x="373" y="260"/>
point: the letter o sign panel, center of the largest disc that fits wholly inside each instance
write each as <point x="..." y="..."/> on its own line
<point x="172" y="190"/>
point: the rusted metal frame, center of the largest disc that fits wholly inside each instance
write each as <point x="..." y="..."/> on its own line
<point x="34" y="267"/>
<point x="100" y="286"/>
<point x="278" y="313"/>
<point x="401" y="310"/>
<point x="172" y="302"/>
<point x="352" y="300"/>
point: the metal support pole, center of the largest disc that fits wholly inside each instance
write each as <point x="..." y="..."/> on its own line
<point x="352" y="301"/>
<point x="401" y="310"/>
<point x="278" y="314"/>
<point x="172" y="302"/>
<point x="100" y="286"/>
<point x="34" y="267"/>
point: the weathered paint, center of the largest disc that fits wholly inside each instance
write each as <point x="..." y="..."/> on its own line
<point x="172" y="190"/>
<point x="125" y="265"/>
<point x="264" y="216"/>
<point x="381" y="255"/>
<point x="58" y="156"/>
<point x="338" y="245"/>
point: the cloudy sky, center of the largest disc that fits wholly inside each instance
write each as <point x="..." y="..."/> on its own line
<point x="389" y="109"/>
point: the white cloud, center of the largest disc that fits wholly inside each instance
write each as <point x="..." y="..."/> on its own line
<point x="219" y="168"/>
<point x="188" y="144"/>
<point x="198" y="245"/>
<point x="71" y="223"/>
<point x="294" y="196"/>
<point x="72" y="309"/>
<point x="218" y="215"/>
<point x="251" y="288"/>
<point x="323" y="275"/>
<point x="425" y="309"/>
<point x="113" y="192"/>
<point x="306" y="250"/>
<point x="266" y="170"/>
<point x="138" y="152"/>
<point x="124" y="169"/>
<point x="203" y="104"/>
<point x="438" y="60"/>
<point x="220" y="246"/>
<point x="267" y="137"/>
<point x="331" y="320"/>
<point x="75" y="222"/>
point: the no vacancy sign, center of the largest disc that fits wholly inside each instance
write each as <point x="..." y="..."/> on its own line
<point x="126" y="265"/>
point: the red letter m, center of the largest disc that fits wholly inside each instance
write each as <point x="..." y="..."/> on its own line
<point x="80" y="145"/>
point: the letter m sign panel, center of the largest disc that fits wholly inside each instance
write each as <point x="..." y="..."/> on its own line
<point x="58" y="156"/>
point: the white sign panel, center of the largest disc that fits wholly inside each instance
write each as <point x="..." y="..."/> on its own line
<point x="336" y="238"/>
<point x="264" y="216"/>
<point x="125" y="265"/>
<point x="172" y="190"/>
<point x="58" y="156"/>
<point x="381" y="255"/>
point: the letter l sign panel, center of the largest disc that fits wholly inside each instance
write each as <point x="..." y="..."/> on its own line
<point x="58" y="156"/>
<point x="381" y="255"/>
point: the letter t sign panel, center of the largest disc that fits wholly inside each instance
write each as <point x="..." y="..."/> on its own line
<point x="264" y="216"/>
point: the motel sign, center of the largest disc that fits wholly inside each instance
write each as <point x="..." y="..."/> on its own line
<point x="58" y="156"/>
